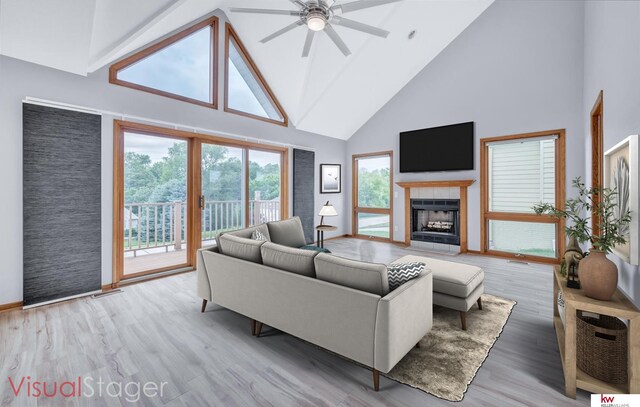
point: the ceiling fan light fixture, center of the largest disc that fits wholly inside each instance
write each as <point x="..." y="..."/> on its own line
<point x="316" y="22"/>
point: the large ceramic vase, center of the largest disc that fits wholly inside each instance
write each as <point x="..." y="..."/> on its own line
<point x="598" y="276"/>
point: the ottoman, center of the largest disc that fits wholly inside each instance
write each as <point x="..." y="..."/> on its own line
<point x="455" y="285"/>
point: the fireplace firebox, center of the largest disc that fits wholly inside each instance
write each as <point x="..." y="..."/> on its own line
<point x="436" y="220"/>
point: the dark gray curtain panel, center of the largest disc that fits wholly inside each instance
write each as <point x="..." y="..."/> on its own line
<point x="303" y="194"/>
<point x="61" y="203"/>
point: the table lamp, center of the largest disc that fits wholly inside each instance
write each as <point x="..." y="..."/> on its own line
<point x="327" y="210"/>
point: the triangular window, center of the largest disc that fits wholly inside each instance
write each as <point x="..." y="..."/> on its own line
<point x="182" y="66"/>
<point x="246" y="91"/>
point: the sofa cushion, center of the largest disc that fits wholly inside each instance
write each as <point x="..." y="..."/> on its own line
<point x="240" y="247"/>
<point x="400" y="273"/>
<point x="369" y="277"/>
<point x="289" y="259"/>
<point x="246" y="233"/>
<point x="287" y="232"/>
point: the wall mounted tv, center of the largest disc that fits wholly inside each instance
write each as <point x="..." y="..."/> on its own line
<point x="444" y="148"/>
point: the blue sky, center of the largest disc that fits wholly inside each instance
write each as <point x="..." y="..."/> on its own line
<point x="184" y="67"/>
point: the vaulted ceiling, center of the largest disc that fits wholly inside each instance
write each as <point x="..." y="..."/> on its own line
<point x="327" y="93"/>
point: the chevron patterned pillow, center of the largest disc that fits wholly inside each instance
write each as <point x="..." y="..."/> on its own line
<point x="257" y="235"/>
<point x="399" y="274"/>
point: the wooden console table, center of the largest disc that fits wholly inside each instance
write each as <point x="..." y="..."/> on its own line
<point x="620" y="307"/>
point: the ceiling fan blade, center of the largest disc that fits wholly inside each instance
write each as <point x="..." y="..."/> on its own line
<point x="361" y="4"/>
<point x="282" y="31"/>
<point x="337" y="40"/>
<point x="307" y="43"/>
<point x="265" y="11"/>
<point x="299" y="3"/>
<point x="355" y="25"/>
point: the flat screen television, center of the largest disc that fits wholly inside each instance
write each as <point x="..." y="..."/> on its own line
<point x="444" y="148"/>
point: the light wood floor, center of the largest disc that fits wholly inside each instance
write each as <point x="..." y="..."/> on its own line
<point x="154" y="331"/>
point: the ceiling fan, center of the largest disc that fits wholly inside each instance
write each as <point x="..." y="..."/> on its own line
<point x="322" y="15"/>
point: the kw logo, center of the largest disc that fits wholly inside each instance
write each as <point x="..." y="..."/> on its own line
<point x="606" y="400"/>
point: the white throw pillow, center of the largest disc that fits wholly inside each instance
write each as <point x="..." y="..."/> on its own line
<point x="399" y="274"/>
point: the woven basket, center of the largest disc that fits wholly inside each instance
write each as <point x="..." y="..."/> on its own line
<point x="602" y="348"/>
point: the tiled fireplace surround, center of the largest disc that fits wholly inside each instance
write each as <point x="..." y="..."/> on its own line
<point x="437" y="190"/>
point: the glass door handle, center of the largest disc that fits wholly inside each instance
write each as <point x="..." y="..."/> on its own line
<point x="201" y="202"/>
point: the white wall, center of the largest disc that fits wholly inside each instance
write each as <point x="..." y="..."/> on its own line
<point x="516" y="69"/>
<point x="612" y="64"/>
<point x="19" y="79"/>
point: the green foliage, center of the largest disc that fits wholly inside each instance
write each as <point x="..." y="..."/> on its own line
<point x="264" y="179"/>
<point x="166" y="180"/>
<point x="373" y="188"/>
<point x="596" y="200"/>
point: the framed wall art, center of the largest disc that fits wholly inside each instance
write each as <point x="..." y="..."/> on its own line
<point x="330" y="178"/>
<point x="621" y="174"/>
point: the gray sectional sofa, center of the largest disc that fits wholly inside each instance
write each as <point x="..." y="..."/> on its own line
<point x="338" y="304"/>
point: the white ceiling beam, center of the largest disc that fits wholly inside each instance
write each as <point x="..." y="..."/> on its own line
<point x="107" y="56"/>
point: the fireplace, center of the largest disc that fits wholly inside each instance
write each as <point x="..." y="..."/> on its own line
<point x="436" y="221"/>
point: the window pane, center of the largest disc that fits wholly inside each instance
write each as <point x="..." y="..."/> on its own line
<point x="264" y="186"/>
<point x="222" y="186"/>
<point x="535" y="239"/>
<point x="182" y="68"/>
<point x="374" y="182"/>
<point x="245" y="92"/>
<point x="372" y="224"/>
<point x="521" y="175"/>
<point x="155" y="202"/>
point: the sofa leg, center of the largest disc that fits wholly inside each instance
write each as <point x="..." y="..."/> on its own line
<point x="253" y="327"/>
<point x="258" y="328"/>
<point x="204" y="305"/>
<point x="480" y="303"/>
<point x="376" y="380"/>
<point x="463" y="320"/>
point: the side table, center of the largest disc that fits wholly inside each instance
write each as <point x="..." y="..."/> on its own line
<point x="320" y="233"/>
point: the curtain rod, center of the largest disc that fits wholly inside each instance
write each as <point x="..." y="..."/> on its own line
<point x="175" y="126"/>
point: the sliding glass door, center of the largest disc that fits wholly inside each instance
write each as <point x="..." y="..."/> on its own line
<point x="372" y="197"/>
<point x="155" y="203"/>
<point x="265" y="186"/>
<point x="221" y="201"/>
<point x="518" y="172"/>
<point x="174" y="191"/>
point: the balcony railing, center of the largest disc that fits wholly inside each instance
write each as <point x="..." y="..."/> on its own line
<point x="163" y="225"/>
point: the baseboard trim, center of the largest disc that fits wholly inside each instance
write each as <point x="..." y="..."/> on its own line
<point x="11" y="306"/>
<point x="334" y="238"/>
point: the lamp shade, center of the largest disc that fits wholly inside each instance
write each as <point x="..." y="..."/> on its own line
<point x="328" y="210"/>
